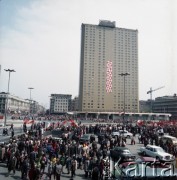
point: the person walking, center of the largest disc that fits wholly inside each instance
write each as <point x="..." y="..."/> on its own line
<point x="50" y="170"/>
<point x="43" y="163"/>
<point x="95" y="173"/>
<point x="12" y="127"/>
<point x="12" y="164"/>
<point x="101" y="169"/>
<point x="62" y="161"/>
<point x="68" y="164"/>
<point x="132" y="140"/>
<point x="73" y="167"/>
<point x="86" y="166"/>
<point x="12" y="133"/>
<point x="58" y="170"/>
<point x="24" y="168"/>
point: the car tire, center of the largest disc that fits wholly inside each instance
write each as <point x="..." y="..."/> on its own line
<point x="128" y="136"/>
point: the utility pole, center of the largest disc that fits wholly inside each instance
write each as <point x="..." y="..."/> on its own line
<point x="124" y="75"/>
<point x="31" y="107"/>
<point x="7" y="95"/>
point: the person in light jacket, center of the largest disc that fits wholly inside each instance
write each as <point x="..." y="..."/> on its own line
<point x="86" y="166"/>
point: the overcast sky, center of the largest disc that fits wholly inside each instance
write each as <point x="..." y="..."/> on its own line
<point x="40" y="40"/>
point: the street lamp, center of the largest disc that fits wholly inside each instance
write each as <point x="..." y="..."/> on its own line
<point x="124" y="75"/>
<point x="7" y="70"/>
<point x="31" y="108"/>
<point x="50" y="105"/>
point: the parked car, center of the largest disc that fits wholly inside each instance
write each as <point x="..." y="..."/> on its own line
<point x="123" y="133"/>
<point x="115" y="133"/>
<point x="156" y="152"/>
<point x="122" y="154"/>
<point x="60" y="133"/>
<point x="145" y="168"/>
<point x="169" y="139"/>
<point x="87" y="138"/>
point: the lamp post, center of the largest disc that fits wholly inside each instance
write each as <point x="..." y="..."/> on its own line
<point x="31" y="108"/>
<point x="124" y="75"/>
<point x="7" y="70"/>
<point x="50" y="105"/>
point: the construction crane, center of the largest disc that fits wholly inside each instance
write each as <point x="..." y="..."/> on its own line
<point x="150" y="92"/>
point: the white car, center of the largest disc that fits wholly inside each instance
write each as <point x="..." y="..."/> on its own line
<point x="116" y="133"/>
<point x="123" y="133"/>
<point x="156" y="152"/>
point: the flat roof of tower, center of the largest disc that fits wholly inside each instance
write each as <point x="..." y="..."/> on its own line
<point x="107" y="23"/>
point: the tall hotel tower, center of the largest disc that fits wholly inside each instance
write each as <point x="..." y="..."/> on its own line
<point x="107" y="54"/>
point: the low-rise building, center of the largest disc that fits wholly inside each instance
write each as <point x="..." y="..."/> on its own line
<point x="60" y="103"/>
<point x="144" y="106"/>
<point x="15" y="105"/>
<point x="18" y="106"/>
<point x="166" y="104"/>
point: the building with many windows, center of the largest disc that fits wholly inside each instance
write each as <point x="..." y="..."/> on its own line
<point x="166" y="104"/>
<point x="74" y="104"/>
<point x="60" y="103"/>
<point x="106" y="52"/>
<point x="145" y="106"/>
<point x="15" y="105"/>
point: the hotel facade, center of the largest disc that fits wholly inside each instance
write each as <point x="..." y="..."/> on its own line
<point x="107" y="52"/>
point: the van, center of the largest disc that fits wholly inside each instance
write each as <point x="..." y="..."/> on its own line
<point x="170" y="139"/>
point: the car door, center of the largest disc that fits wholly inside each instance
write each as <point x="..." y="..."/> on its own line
<point x="155" y="153"/>
<point x="151" y="152"/>
<point x="148" y="151"/>
<point x="123" y="133"/>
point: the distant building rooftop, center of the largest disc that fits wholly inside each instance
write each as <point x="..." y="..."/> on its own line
<point x="106" y="23"/>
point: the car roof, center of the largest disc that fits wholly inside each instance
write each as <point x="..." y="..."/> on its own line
<point x="153" y="146"/>
<point x="168" y="136"/>
<point x="121" y="148"/>
<point x="88" y="134"/>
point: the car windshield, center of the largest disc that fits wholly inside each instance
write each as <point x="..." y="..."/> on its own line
<point x="159" y="150"/>
<point x="126" y="151"/>
<point x="57" y="132"/>
<point x="86" y="136"/>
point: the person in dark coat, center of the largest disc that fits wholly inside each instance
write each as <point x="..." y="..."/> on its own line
<point x="95" y="173"/>
<point x="12" y="163"/>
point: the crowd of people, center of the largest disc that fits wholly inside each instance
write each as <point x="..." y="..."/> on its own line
<point x="36" y="155"/>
